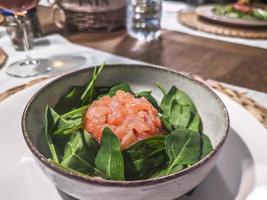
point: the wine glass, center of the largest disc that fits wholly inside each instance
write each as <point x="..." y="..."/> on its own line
<point x="29" y="66"/>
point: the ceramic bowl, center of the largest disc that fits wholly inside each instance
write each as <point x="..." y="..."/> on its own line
<point x="212" y="111"/>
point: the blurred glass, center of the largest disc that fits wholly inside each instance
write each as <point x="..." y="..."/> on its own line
<point x="144" y="18"/>
<point x="29" y="66"/>
<point x="16" y="34"/>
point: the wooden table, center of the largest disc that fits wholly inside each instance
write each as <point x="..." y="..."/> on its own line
<point x="231" y="63"/>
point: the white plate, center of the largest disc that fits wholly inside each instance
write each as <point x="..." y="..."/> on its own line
<point x="240" y="173"/>
<point x="207" y="12"/>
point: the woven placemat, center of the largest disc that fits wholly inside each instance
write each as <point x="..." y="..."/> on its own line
<point x="258" y="111"/>
<point x="192" y="20"/>
<point x="3" y="58"/>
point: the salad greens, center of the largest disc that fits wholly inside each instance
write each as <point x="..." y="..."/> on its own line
<point x="124" y="87"/>
<point x="88" y="94"/>
<point x="179" y="111"/>
<point x="150" y="98"/>
<point x="181" y="144"/>
<point x="145" y="158"/>
<point x="80" y="152"/>
<point x="109" y="158"/>
<point x="183" y="148"/>
<point x="232" y="12"/>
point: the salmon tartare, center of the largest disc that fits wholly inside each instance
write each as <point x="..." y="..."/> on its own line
<point x="131" y="119"/>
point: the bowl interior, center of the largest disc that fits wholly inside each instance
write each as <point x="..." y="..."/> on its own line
<point x="140" y="77"/>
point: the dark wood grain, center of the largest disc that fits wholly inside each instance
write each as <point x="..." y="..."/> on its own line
<point x="231" y="63"/>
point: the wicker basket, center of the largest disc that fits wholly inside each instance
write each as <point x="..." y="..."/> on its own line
<point x="93" y="22"/>
<point x="93" y="15"/>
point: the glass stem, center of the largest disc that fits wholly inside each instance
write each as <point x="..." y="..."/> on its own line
<point x="22" y="23"/>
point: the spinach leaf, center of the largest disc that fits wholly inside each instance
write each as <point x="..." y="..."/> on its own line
<point x="124" y="87"/>
<point x="109" y="158"/>
<point x="51" y="118"/>
<point x="149" y="97"/>
<point x="183" y="147"/>
<point x="180" y="115"/>
<point x="144" y="158"/>
<point x="88" y="94"/>
<point x="195" y="124"/>
<point x="180" y="96"/>
<point x="112" y="91"/>
<point x="179" y="110"/>
<point x="166" y="123"/>
<point x="65" y="127"/>
<point x="75" y="115"/>
<point x="165" y="171"/>
<point x="71" y="170"/>
<point x="79" y="95"/>
<point x="69" y="101"/>
<point x="80" y="153"/>
<point x="162" y="89"/>
<point x="101" y="91"/>
<point x="58" y="132"/>
<point x="206" y="145"/>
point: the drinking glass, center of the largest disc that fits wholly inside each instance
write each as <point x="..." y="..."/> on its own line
<point x="144" y="18"/>
<point x="29" y="66"/>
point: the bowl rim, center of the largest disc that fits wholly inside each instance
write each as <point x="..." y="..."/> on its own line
<point x="134" y="183"/>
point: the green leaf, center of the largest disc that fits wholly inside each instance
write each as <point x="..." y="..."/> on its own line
<point x="144" y="158"/>
<point x="206" y="145"/>
<point x="149" y="97"/>
<point x="180" y="115"/>
<point x="75" y="115"/>
<point x="69" y="101"/>
<point x="166" y="171"/>
<point x="62" y="126"/>
<point x="101" y="91"/>
<point x="183" y="147"/>
<point x="113" y="90"/>
<point x="88" y="94"/>
<point x="166" y="123"/>
<point x="124" y="87"/>
<point x="109" y="158"/>
<point x="58" y="132"/>
<point x="80" y="152"/>
<point x="68" y="128"/>
<point x="178" y="95"/>
<point x="70" y="170"/>
<point x="51" y="118"/>
<point x="195" y="124"/>
<point x="179" y="110"/>
<point x="162" y="89"/>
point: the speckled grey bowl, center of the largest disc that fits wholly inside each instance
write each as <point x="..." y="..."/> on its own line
<point x="212" y="111"/>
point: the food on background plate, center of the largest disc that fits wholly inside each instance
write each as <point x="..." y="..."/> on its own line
<point x="243" y="9"/>
<point x="117" y="134"/>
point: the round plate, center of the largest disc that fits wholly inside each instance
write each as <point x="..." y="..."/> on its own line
<point x="207" y="12"/>
<point x="240" y="172"/>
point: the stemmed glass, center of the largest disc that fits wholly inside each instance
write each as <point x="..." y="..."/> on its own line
<point x="29" y="66"/>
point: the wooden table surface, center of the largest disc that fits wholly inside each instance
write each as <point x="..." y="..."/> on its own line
<point x="231" y="63"/>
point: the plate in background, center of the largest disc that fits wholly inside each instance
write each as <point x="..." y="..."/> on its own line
<point x="207" y="13"/>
